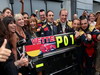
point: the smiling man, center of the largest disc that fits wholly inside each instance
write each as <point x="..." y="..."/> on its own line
<point x="89" y="36"/>
<point x="64" y="25"/>
<point x="50" y="28"/>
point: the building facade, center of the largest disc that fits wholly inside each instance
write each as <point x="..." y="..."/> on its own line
<point x="73" y="6"/>
<point x="84" y="5"/>
<point x="96" y="5"/>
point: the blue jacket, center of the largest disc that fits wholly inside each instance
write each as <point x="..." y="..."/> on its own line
<point x="48" y="31"/>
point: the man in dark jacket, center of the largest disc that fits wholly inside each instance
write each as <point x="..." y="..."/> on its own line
<point x="88" y="36"/>
<point x="41" y="22"/>
<point x="64" y="25"/>
<point x="50" y="28"/>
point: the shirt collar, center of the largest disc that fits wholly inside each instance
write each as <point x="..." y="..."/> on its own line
<point x="50" y="23"/>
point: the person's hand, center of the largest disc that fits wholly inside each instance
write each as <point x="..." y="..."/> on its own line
<point x="4" y="52"/>
<point x="22" y="1"/>
<point x="98" y="37"/>
<point x="89" y="37"/>
<point x="25" y="61"/>
<point x="22" y="62"/>
<point x="39" y="29"/>
<point x="19" y="73"/>
<point x="36" y="12"/>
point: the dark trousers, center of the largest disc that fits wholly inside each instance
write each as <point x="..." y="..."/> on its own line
<point x="89" y="65"/>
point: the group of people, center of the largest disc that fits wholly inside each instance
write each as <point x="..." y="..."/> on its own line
<point x="16" y="30"/>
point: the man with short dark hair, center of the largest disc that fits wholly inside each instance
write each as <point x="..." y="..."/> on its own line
<point x="41" y="22"/>
<point x="42" y="15"/>
<point x="50" y="28"/>
<point x="89" y="36"/>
